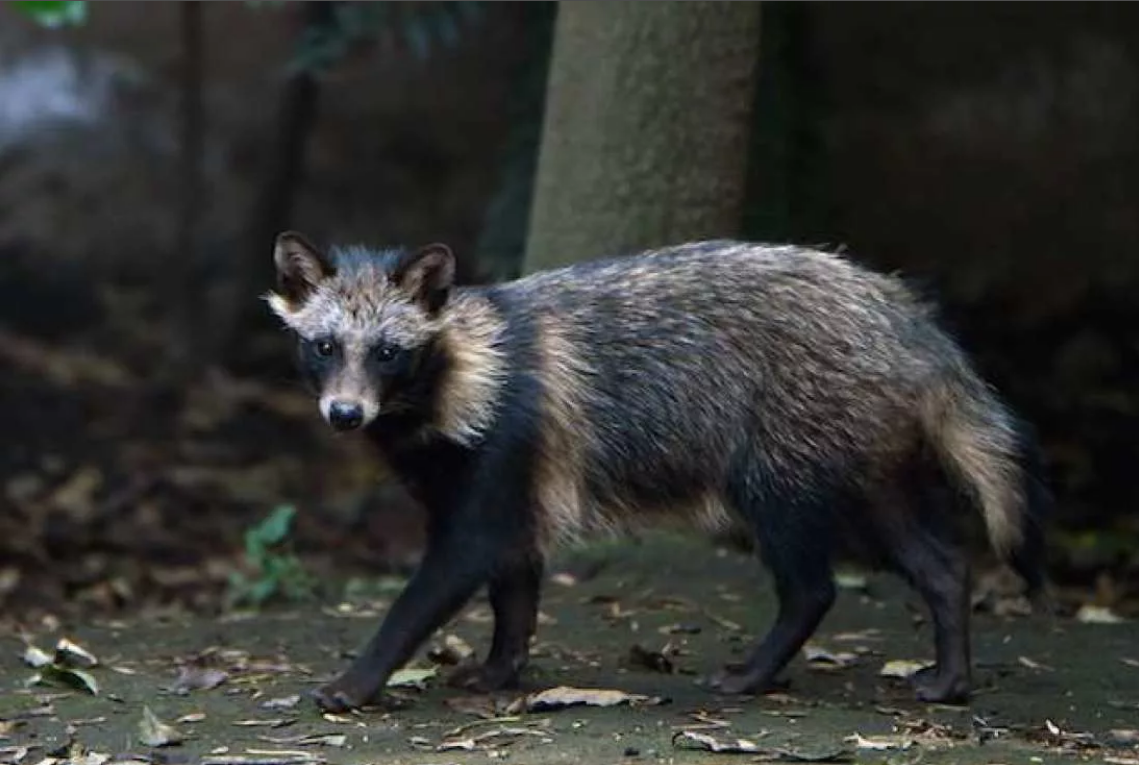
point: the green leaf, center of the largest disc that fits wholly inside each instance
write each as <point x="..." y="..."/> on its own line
<point x="275" y="528"/>
<point x="262" y="590"/>
<point x="53" y="13"/>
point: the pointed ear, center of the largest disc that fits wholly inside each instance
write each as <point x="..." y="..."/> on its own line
<point x="427" y="275"/>
<point x="300" y="267"/>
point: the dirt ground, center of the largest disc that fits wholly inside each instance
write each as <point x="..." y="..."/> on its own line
<point x="648" y="618"/>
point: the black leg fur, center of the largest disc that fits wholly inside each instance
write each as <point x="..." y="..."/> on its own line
<point x="925" y="546"/>
<point x="514" y="593"/>
<point x="794" y="542"/>
<point x="452" y="569"/>
<point x="1028" y="559"/>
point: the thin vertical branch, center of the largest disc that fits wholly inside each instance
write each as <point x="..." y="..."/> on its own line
<point x="273" y="206"/>
<point x="183" y="358"/>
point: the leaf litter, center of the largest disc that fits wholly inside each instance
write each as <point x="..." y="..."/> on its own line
<point x="1093" y="614"/>
<point x="67" y="665"/>
<point x="493" y="738"/>
<point x="819" y="658"/>
<point x="337" y="740"/>
<point x="565" y="696"/>
<point x="903" y="668"/>
<point x="692" y="740"/>
<point x="653" y="660"/>
<point x="452" y="652"/>
<point x="154" y="732"/>
<point x="412" y="677"/>
<point x="197" y="678"/>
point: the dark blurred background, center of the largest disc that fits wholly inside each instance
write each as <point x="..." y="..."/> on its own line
<point x="149" y="416"/>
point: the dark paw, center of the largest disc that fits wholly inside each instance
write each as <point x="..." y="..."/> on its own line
<point x="733" y="681"/>
<point x="933" y="686"/>
<point x="340" y="696"/>
<point x="484" y="678"/>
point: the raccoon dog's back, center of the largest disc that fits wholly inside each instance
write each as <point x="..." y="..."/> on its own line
<point x="662" y="371"/>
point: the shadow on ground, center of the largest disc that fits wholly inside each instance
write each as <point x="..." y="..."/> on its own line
<point x="1048" y="689"/>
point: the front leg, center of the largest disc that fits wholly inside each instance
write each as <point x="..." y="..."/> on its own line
<point x="514" y="591"/>
<point x="457" y="562"/>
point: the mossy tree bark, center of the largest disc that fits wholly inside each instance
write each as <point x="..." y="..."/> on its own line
<point x="646" y="127"/>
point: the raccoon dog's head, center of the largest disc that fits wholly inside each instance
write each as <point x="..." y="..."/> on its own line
<point x="365" y="321"/>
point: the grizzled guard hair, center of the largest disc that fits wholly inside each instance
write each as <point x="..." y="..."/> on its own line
<point x="781" y="392"/>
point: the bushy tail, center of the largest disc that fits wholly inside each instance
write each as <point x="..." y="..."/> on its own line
<point x="995" y="460"/>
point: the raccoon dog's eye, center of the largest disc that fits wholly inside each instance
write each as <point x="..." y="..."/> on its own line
<point x="324" y="348"/>
<point x="386" y="352"/>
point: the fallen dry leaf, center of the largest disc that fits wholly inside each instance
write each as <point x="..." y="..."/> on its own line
<point x="1070" y="739"/>
<point x="655" y="661"/>
<point x="820" y="658"/>
<point x="797" y="754"/>
<point x="1027" y="662"/>
<point x="903" y="668"/>
<point x="76" y="678"/>
<point x="70" y="654"/>
<point x="271" y="723"/>
<point x="711" y="744"/>
<point x="565" y="696"/>
<point x="487" y="739"/>
<point x="153" y="732"/>
<point x="453" y="651"/>
<point x="421" y="742"/>
<point x="88" y="758"/>
<point x="193" y="717"/>
<point x="680" y="629"/>
<point x="879" y="743"/>
<point x="479" y="706"/>
<point x="76" y="496"/>
<point x="13" y="754"/>
<point x="850" y="580"/>
<point x="1092" y="614"/>
<point x="47" y="710"/>
<point x="706" y="721"/>
<point x="61" y="666"/>
<point x="256" y="757"/>
<point x="858" y="637"/>
<point x="36" y="657"/>
<point x="338" y="740"/>
<point x="284" y="702"/>
<point x="412" y="677"/>
<point x="454" y="732"/>
<point x="195" y="678"/>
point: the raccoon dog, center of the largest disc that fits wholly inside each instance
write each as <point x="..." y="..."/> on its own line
<point x="781" y="392"/>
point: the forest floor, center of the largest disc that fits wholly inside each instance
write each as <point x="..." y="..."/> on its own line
<point x="645" y="618"/>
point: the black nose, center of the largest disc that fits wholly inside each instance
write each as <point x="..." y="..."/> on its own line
<point x="343" y="416"/>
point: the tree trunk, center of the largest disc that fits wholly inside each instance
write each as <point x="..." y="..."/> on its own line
<point x="182" y="351"/>
<point x="646" y="129"/>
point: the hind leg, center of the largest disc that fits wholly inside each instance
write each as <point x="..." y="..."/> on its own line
<point x="927" y="552"/>
<point x="514" y="595"/>
<point x="794" y="542"/>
